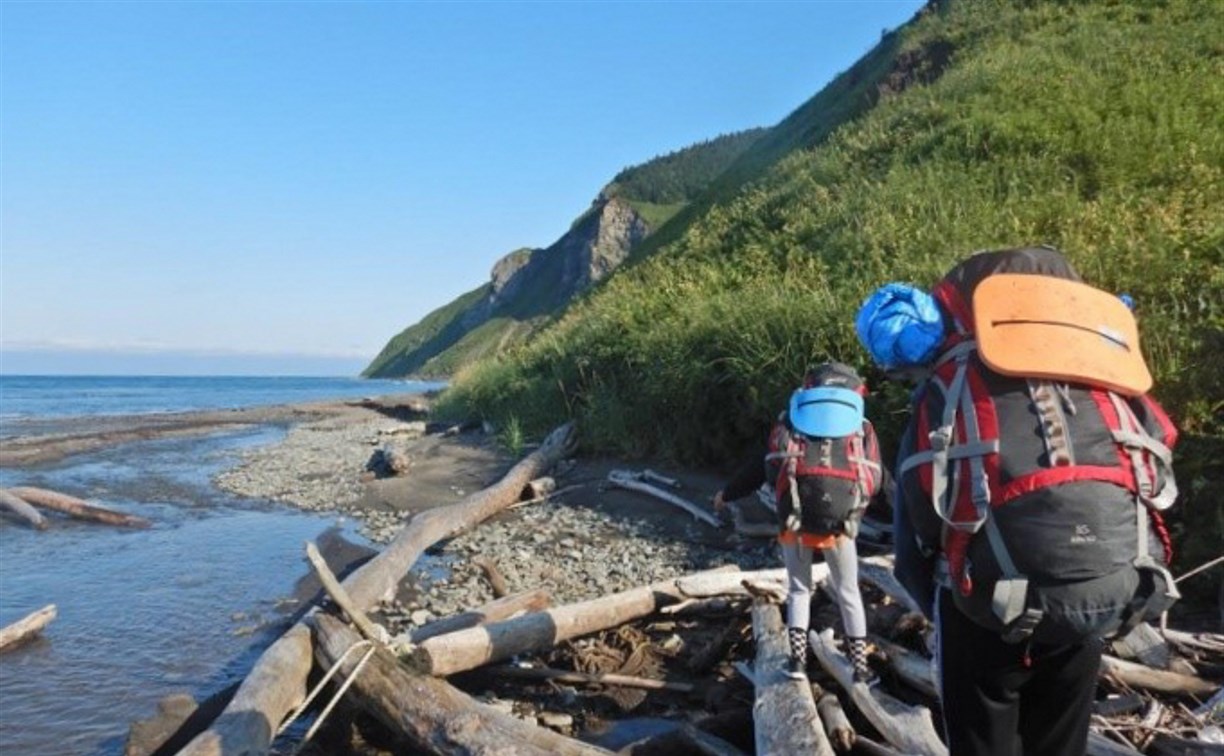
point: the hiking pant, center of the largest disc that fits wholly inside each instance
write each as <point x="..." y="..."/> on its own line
<point x="995" y="705"/>
<point x="843" y="576"/>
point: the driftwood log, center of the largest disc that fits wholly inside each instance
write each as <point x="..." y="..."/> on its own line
<point x="783" y="711"/>
<point x="468" y="649"/>
<point x="429" y="712"/>
<point x="277" y="682"/>
<point x="907" y="728"/>
<point x="26" y="627"/>
<point x="21" y="510"/>
<point x="1164" y="681"/>
<point x="76" y="508"/>
<point x="341" y="597"/>
<point x="494" y="611"/>
<point x="633" y="482"/>
<point x="833" y="717"/>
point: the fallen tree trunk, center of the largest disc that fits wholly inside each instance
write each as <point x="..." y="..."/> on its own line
<point x="907" y="728"/>
<point x="26" y="627"/>
<point x="494" y="611"/>
<point x="467" y="649"/>
<point x="431" y="713"/>
<point x="21" y="510"/>
<point x="783" y="712"/>
<point x="76" y="508"/>
<point x="836" y="724"/>
<point x="277" y="682"/>
<point x="1139" y="676"/>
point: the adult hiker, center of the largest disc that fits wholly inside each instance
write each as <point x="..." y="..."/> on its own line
<point x="1029" y="488"/>
<point x="822" y="467"/>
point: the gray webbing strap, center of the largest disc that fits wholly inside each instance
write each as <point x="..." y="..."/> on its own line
<point x="1142" y="447"/>
<point x="794" y="520"/>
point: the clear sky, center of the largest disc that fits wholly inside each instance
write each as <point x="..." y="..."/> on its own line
<point x="298" y="181"/>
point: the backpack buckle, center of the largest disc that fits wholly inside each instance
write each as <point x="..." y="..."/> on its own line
<point x="1022" y="629"/>
<point x="941" y="439"/>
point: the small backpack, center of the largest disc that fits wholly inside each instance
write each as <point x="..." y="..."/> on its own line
<point x="1040" y="495"/>
<point x="823" y="483"/>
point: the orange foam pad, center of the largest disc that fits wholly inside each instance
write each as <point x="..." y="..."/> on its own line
<point x="1041" y="327"/>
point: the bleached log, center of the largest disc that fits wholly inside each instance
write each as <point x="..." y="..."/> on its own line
<point x="540" y="488"/>
<point x="878" y="570"/>
<point x="783" y="712"/>
<point x="833" y="717"/>
<point x="496" y="581"/>
<point x="277" y="682"/>
<point x="26" y="627"/>
<point x="430" y="713"/>
<point x="76" y="508"/>
<point x="1164" y="681"/>
<point x="341" y="598"/>
<point x="494" y="611"/>
<point x="21" y="510"/>
<point x="750" y="529"/>
<point x="583" y="678"/>
<point x="914" y="669"/>
<point x="627" y="480"/>
<point x="707" y="744"/>
<point x="1099" y="745"/>
<point x="467" y="649"/>
<point x="1209" y="642"/>
<point x="723" y="583"/>
<point x="908" y="728"/>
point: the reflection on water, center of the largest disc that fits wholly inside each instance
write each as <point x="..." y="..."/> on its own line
<point x="183" y="606"/>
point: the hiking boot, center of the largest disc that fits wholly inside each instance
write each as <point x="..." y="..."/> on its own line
<point x="856" y="649"/>
<point x="796" y="665"/>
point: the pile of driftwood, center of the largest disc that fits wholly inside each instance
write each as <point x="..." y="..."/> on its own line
<point x="708" y="649"/>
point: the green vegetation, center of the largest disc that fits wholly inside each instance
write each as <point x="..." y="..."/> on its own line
<point x="408" y="351"/>
<point x="678" y="177"/>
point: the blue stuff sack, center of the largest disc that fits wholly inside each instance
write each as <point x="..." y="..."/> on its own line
<point x="826" y="412"/>
<point x="900" y="326"/>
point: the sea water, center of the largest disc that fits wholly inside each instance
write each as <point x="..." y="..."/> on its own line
<point x="184" y="606"/>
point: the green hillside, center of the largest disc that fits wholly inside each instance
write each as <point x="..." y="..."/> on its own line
<point x="1092" y="126"/>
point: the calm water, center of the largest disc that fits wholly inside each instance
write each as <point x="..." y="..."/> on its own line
<point x="144" y="613"/>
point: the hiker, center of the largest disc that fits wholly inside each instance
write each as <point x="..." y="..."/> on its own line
<point x="1029" y="488"/>
<point x="822" y="464"/>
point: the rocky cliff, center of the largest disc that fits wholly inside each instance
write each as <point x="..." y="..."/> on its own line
<point x="524" y="288"/>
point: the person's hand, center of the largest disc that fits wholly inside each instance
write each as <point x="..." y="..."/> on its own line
<point x="719" y="503"/>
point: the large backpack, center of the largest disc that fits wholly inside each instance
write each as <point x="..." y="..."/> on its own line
<point x="823" y="483"/>
<point x="1040" y="495"/>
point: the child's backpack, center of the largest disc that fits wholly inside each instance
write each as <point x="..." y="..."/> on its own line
<point x="823" y="459"/>
<point x="1041" y="492"/>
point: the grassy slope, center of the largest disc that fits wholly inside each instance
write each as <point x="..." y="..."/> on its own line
<point x="407" y="352"/>
<point x="1093" y="126"/>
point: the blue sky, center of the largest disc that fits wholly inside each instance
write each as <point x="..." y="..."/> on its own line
<point x="295" y="182"/>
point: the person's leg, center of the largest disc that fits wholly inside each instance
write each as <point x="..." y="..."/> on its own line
<point x="980" y="681"/>
<point x="843" y="574"/>
<point x="1056" y="705"/>
<point x="798" y="561"/>
<point x="842" y="559"/>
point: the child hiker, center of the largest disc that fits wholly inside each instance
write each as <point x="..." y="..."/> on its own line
<point x="823" y="464"/>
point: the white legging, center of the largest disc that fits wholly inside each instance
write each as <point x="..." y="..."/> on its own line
<point x="842" y="559"/>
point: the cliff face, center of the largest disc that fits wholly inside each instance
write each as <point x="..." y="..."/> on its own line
<point x="524" y="287"/>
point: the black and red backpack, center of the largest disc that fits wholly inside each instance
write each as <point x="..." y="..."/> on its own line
<point x="1041" y="496"/>
<point x="823" y="483"/>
